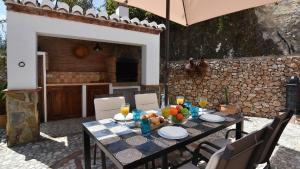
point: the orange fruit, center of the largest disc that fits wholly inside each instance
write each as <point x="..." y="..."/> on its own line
<point x="173" y="111"/>
<point x="179" y="117"/>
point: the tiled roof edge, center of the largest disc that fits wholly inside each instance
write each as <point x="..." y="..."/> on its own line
<point x="90" y="16"/>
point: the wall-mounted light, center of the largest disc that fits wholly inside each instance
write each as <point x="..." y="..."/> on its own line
<point x="97" y="48"/>
<point x="21" y="64"/>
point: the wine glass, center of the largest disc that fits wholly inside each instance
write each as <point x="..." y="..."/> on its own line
<point x="203" y="103"/>
<point x="125" y="111"/>
<point x="179" y="100"/>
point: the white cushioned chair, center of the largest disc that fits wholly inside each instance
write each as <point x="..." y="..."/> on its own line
<point x="147" y="101"/>
<point x="107" y="107"/>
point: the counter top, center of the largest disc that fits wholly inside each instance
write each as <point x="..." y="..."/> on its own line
<point x="76" y="84"/>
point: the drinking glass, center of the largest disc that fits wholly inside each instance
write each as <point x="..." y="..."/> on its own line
<point x="136" y="115"/>
<point x="203" y="103"/>
<point x="165" y="112"/>
<point x="195" y="112"/>
<point x="125" y="111"/>
<point x="187" y="104"/>
<point x="145" y="127"/>
<point x="179" y="100"/>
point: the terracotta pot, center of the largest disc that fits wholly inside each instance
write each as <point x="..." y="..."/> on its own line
<point x="3" y="120"/>
<point x="229" y="109"/>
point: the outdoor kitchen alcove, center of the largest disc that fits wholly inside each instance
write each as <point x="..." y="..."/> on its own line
<point x="72" y="82"/>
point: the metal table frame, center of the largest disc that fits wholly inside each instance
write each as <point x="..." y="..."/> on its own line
<point x="163" y="154"/>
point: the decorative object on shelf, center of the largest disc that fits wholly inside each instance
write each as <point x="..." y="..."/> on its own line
<point x="81" y="51"/>
<point x="227" y="107"/>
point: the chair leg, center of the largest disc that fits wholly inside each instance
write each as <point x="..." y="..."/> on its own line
<point x="146" y="165"/>
<point x="195" y="159"/>
<point x="268" y="166"/>
<point x="153" y="164"/>
<point x="95" y="153"/>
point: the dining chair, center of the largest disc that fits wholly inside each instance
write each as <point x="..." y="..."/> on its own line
<point x="279" y="124"/>
<point x="146" y="101"/>
<point x="236" y="155"/>
<point x="207" y="149"/>
<point x="106" y="106"/>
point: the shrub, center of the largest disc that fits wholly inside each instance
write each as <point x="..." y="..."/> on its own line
<point x="3" y="86"/>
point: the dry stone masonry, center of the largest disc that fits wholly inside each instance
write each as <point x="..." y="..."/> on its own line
<point x="256" y="84"/>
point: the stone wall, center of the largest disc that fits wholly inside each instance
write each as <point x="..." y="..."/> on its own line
<point x="22" y="116"/>
<point x="256" y="84"/>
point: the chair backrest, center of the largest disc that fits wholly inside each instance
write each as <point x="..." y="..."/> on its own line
<point x="146" y="101"/>
<point x="107" y="107"/>
<point x="278" y="124"/>
<point x="240" y="154"/>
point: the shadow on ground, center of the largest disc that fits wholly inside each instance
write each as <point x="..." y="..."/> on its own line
<point x="283" y="157"/>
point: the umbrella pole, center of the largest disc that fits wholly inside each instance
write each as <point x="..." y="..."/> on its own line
<point x="167" y="48"/>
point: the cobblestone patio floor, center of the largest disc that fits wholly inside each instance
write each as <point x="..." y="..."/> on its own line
<point x="61" y="142"/>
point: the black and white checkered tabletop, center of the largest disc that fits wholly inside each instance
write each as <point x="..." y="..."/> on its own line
<point x="128" y="145"/>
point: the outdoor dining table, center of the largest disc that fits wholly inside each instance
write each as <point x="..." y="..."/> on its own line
<point x="128" y="148"/>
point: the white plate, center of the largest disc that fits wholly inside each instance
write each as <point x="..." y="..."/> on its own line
<point x="173" y="132"/>
<point x="120" y="117"/>
<point x="205" y="111"/>
<point x="212" y="118"/>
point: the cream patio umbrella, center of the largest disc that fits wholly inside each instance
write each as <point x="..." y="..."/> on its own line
<point x="188" y="12"/>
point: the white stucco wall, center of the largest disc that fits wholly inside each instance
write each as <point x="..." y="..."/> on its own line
<point x="23" y="30"/>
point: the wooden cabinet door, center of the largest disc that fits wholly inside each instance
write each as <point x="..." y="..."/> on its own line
<point x="91" y="92"/>
<point x="54" y="102"/>
<point x="73" y="100"/>
<point x="64" y="102"/>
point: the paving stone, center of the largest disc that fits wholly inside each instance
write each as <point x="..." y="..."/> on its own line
<point x="63" y="149"/>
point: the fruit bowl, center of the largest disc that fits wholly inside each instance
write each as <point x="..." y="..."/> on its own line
<point x="179" y="115"/>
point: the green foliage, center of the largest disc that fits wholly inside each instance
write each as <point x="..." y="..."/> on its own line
<point x="2" y="39"/>
<point x="85" y="4"/>
<point x="2" y="47"/>
<point x="226" y="95"/>
<point x="222" y="23"/>
<point x="111" y="6"/>
<point x="3" y="85"/>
